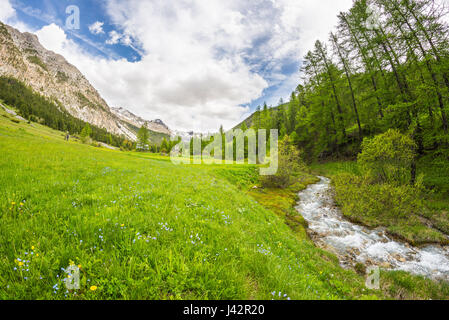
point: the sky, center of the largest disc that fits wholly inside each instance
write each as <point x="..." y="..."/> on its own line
<point x="195" y="64"/>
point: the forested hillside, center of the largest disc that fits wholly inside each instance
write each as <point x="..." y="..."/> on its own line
<point x="372" y="75"/>
<point x="37" y="108"/>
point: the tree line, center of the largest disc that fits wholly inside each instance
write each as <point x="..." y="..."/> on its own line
<point x="385" y="66"/>
<point x="144" y="144"/>
<point x="37" y="108"/>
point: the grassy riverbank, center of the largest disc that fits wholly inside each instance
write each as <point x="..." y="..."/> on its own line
<point x="416" y="215"/>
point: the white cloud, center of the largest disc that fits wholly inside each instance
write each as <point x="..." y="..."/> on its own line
<point x="126" y="40"/>
<point x="202" y="60"/>
<point x="8" y="15"/>
<point x="7" y="12"/>
<point x="96" y="28"/>
<point x="114" y="37"/>
<point x="314" y="18"/>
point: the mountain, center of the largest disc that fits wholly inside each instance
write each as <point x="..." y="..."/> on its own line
<point x="187" y="136"/>
<point x="48" y="73"/>
<point x="129" y="117"/>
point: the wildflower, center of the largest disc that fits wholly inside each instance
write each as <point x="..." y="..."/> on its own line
<point x="79" y="266"/>
<point x="122" y="225"/>
<point x="20" y="263"/>
<point x="13" y="203"/>
<point x="22" y="204"/>
<point x="93" y="288"/>
<point x="32" y="247"/>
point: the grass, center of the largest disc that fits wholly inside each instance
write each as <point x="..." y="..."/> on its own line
<point x="435" y="169"/>
<point x="283" y="201"/>
<point x="145" y="228"/>
<point x="140" y="227"/>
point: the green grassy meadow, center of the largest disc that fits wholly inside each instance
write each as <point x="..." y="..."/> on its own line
<point x="140" y="227"/>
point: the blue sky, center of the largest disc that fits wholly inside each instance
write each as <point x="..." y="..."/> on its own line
<point x="194" y="64"/>
<point x="39" y="13"/>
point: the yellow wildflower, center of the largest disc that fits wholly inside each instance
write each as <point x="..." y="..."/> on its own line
<point x="79" y="266"/>
<point x="20" y="263"/>
<point x="32" y="247"/>
<point x="93" y="288"/>
<point x="13" y="203"/>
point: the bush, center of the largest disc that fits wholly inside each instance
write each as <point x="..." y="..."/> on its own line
<point x="397" y="207"/>
<point x="290" y="162"/>
<point x="359" y="198"/>
<point x="388" y="157"/>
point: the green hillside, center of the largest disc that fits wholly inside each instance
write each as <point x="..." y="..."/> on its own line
<point x="154" y="138"/>
<point x="34" y="107"/>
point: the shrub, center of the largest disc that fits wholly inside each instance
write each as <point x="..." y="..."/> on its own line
<point x="289" y="161"/>
<point x="372" y="203"/>
<point x="399" y="208"/>
<point x="388" y="157"/>
<point x="86" y="134"/>
<point x="37" y="61"/>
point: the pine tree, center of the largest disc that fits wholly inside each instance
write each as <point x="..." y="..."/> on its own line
<point x="143" y="138"/>
<point x="164" y="146"/>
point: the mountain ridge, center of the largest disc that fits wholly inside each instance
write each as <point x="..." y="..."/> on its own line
<point x="156" y="125"/>
<point x="23" y="57"/>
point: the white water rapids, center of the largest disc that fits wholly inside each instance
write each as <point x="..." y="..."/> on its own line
<point x="356" y="244"/>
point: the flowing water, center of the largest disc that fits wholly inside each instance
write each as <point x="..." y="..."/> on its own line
<point x="356" y="244"/>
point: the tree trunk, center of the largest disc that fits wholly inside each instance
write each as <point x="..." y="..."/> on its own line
<point x="348" y="77"/>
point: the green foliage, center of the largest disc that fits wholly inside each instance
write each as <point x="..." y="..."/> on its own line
<point x="244" y="127"/>
<point x="397" y="207"/>
<point x="149" y="214"/>
<point x="388" y="157"/>
<point x="3" y="30"/>
<point x="289" y="163"/>
<point x="142" y="137"/>
<point x="61" y="77"/>
<point x="86" y="134"/>
<point x="85" y="101"/>
<point x="401" y="285"/>
<point x="35" y="107"/>
<point x="165" y="148"/>
<point x="73" y="193"/>
<point x="366" y="81"/>
<point x="37" y="61"/>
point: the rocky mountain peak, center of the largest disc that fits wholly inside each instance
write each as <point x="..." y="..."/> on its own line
<point x="24" y="58"/>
